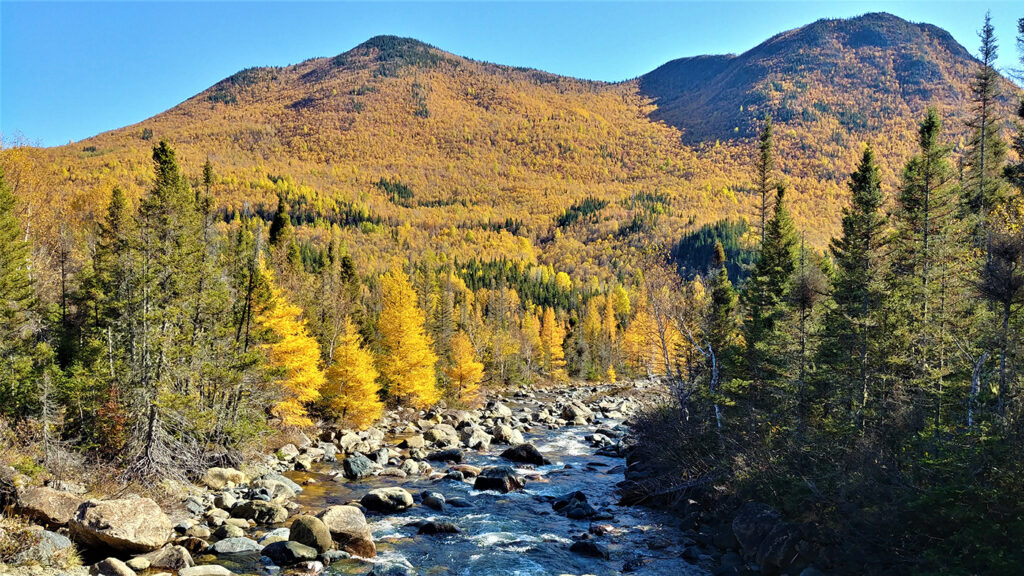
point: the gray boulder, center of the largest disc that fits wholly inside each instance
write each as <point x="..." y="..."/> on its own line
<point x="387" y="500"/>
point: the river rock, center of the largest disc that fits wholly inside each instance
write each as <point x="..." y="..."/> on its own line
<point x="778" y="549"/>
<point x="477" y="439"/>
<point x="357" y="467"/>
<point x="276" y="484"/>
<point x="433" y="500"/>
<point x="589" y="548"/>
<point x="260" y="512"/>
<point x="228" y="531"/>
<point x="235" y="546"/>
<point x="311" y="532"/>
<point x="287" y="453"/>
<point x="500" y="478"/>
<point x="275" y="535"/>
<point x="170" y="558"/>
<point x="220" y="478"/>
<point x="52" y="549"/>
<point x="526" y="453"/>
<point x="576" y="413"/>
<point x="47" y="506"/>
<point x="449" y="455"/>
<point x="128" y="525"/>
<point x="111" y="567"/>
<point x="438" y="528"/>
<point x="393" y="569"/>
<point x="414" y="441"/>
<point x="193" y="545"/>
<point x="467" y="470"/>
<point x="410" y="467"/>
<point x="574" y="505"/>
<point x="288" y="553"/>
<point x="348" y="528"/>
<point x="505" y="434"/>
<point x="227" y="500"/>
<point x="498" y="409"/>
<point x="205" y="570"/>
<point x="387" y="500"/>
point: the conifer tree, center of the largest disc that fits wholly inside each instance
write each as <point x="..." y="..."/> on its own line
<point x="17" y="299"/>
<point x="352" y="390"/>
<point x="763" y="172"/>
<point x="723" y="326"/>
<point x="928" y="263"/>
<point x="407" y="361"/>
<point x="294" y="355"/>
<point x="766" y="299"/>
<point x="851" y="352"/>
<point x="552" y="336"/>
<point x="986" y="150"/>
<point x="465" y="372"/>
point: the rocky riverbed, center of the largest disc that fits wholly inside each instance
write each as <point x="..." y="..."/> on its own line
<point x="526" y="485"/>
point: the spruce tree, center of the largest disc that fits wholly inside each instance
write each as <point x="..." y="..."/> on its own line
<point x="850" y="352"/>
<point x="986" y="151"/>
<point x="723" y="328"/>
<point x="766" y="301"/>
<point x="17" y="302"/>
<point x="763" y="172"/>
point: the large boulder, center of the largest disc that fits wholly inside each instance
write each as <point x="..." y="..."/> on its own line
<point x="387" y="500"/>
<point x="348" y="528"/>
<point x="526" y="453"/>
<point x="577" y="413"/>
<point x="47" y="506"/>
<point x="260" y="512"/>
<point x="128" y="525"/>
<point x="287" y="553"/>
<point x="500" y="478"/>
<point x="356" y="467"/>
<point x="414" y="441"/>
<point x="311" y="532"/>
<point x="220" y="478"/>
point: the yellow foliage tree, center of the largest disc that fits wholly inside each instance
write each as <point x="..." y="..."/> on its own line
<point x="551" y="336"/>
<point x="465" y="372"/>
<point x="352" y="388"/>
<point x="407" y="363"/>
<point x="294" y="354"/>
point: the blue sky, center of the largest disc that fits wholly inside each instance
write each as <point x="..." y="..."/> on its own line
<point x="70" y="70"/>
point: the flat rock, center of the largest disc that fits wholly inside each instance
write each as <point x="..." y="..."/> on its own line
<point x="47" y="506"/>
<point x="128" y="525"/>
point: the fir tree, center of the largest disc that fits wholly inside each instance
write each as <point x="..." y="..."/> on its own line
<point x="850" y="350"/>
<point x="17" y="301"/>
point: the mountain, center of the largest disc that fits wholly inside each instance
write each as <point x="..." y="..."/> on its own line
<point x="415" y="151"/>
<point x="857" y="75"/>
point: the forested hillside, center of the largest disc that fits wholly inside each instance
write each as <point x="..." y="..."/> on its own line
<point x="815" y="245"/>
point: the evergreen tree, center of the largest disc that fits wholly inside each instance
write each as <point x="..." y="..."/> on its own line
<point x="986" y="150"/>
<point x="17" y="319"/>
<point x="767" y="304"/>
<point x="763" y="172"/>
<point x="928" y="262"/>
<point x="723" y="324"/>
<point x="851" y="353"/>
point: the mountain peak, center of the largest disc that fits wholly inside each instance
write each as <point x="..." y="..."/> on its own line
<point x="861" y="71"/>
<point x="391" y="53"/>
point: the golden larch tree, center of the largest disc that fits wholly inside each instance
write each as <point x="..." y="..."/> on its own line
<point x="408" y="358"/>
<point x="551" y="336"/>
<point x="352" y="390"/>
<point x="294" y="355"/>
<point x="465" y="372"/>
